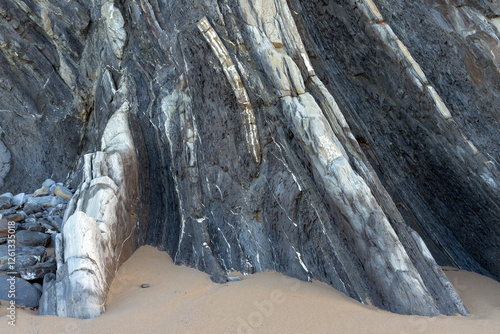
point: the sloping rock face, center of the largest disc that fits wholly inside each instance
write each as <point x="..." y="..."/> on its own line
<point x="320" y="139"/>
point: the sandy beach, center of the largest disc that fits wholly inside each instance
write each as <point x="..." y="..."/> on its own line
<point x="184" y="300"/>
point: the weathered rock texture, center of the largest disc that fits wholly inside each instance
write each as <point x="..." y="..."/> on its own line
<point x="352" y="142"/>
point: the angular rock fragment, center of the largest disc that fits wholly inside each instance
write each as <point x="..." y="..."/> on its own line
<point x="38" y="270"/>
<point x="4" y="228"/>
<point x="5" y="202"/>
<point x="26" y="294"/>
<point x="31" y="238"/>
<point x="25" y="257"/>
<point x="19" y="199"/>
<point x="41" y="192"/>
<point x="63" y="192"/>
<point x="16" y="217"/>
<point x="48" y="183"/>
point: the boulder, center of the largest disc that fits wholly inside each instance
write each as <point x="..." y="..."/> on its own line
<point x="25" y="293"/>
<point x="33" y="239"/>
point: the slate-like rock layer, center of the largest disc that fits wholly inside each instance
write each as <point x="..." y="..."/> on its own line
<point x="321" y="139"/>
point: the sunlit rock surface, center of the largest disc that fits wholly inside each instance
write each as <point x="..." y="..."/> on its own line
<point x="353" y="142"/>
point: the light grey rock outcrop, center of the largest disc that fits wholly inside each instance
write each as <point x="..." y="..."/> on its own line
<point x="100" y="230"/>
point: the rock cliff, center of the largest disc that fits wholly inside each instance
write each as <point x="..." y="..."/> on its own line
<point x="352" y="142"/>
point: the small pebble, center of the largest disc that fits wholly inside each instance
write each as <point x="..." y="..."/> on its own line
<point x="48" y="183"/>
<point x="144" y="286"/>
<point x="233" y="278"/>
<point x="41" y="192"/>
<point x="63" y="192"/>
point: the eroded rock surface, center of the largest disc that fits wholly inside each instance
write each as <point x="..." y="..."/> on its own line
<point x="99" y="231"/>
<point x="343" y="141"/>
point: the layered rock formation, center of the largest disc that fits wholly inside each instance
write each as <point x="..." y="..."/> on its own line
<point x="353" y="142"/>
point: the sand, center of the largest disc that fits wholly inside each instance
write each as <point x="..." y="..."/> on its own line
<point x="184" y="300"/>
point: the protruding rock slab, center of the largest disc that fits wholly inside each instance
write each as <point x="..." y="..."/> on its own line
<point x="100" y="230"/>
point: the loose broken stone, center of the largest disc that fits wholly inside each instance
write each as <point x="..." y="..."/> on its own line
<point x="4" y="228"/>
<point x="36" y="228"/>
<point x="38" y="270"/>
<point x="63" y="192"/>
<point x="218" y="278"/>
<point x="7" y="212"/>
<point x="5" y="202"/>
<point x="48" y="183"/>
<point x="233" y="278"/>
<point x="41" y="192"/>
<point x="38" y="286"/>
<point x="19" y="199"/>
<point x="144" y="286"/>
<point x="25" y="256"/>
<point x="30" y="238"/>
<point x="17" y="217"/>
<point x="26" y="294"/>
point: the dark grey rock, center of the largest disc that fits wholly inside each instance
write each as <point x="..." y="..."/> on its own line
<point x="144" y="286"/>
<point x="16" y="217"/>
<point x="32" y="207"/>
<point x="303" y="139"/>
<point x="38" y="286"/>
<point x="35" y="228"/>
<point x="219" y="278"/>
<point x="29" y="220"/>
<point x="7" y="212"/>
<point x="53" y="237"/>
<point x="25" y="293"/>
<point x="38" y="270"/>
<point x="4" y="228"/>
<point x="38" y="204"/>
<point x="25" y="257"/>
<point x="33" y="239"/>
<point x="5" y="202"/>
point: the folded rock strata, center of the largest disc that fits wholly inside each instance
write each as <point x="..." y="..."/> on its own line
<point x="343" y="141"/>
